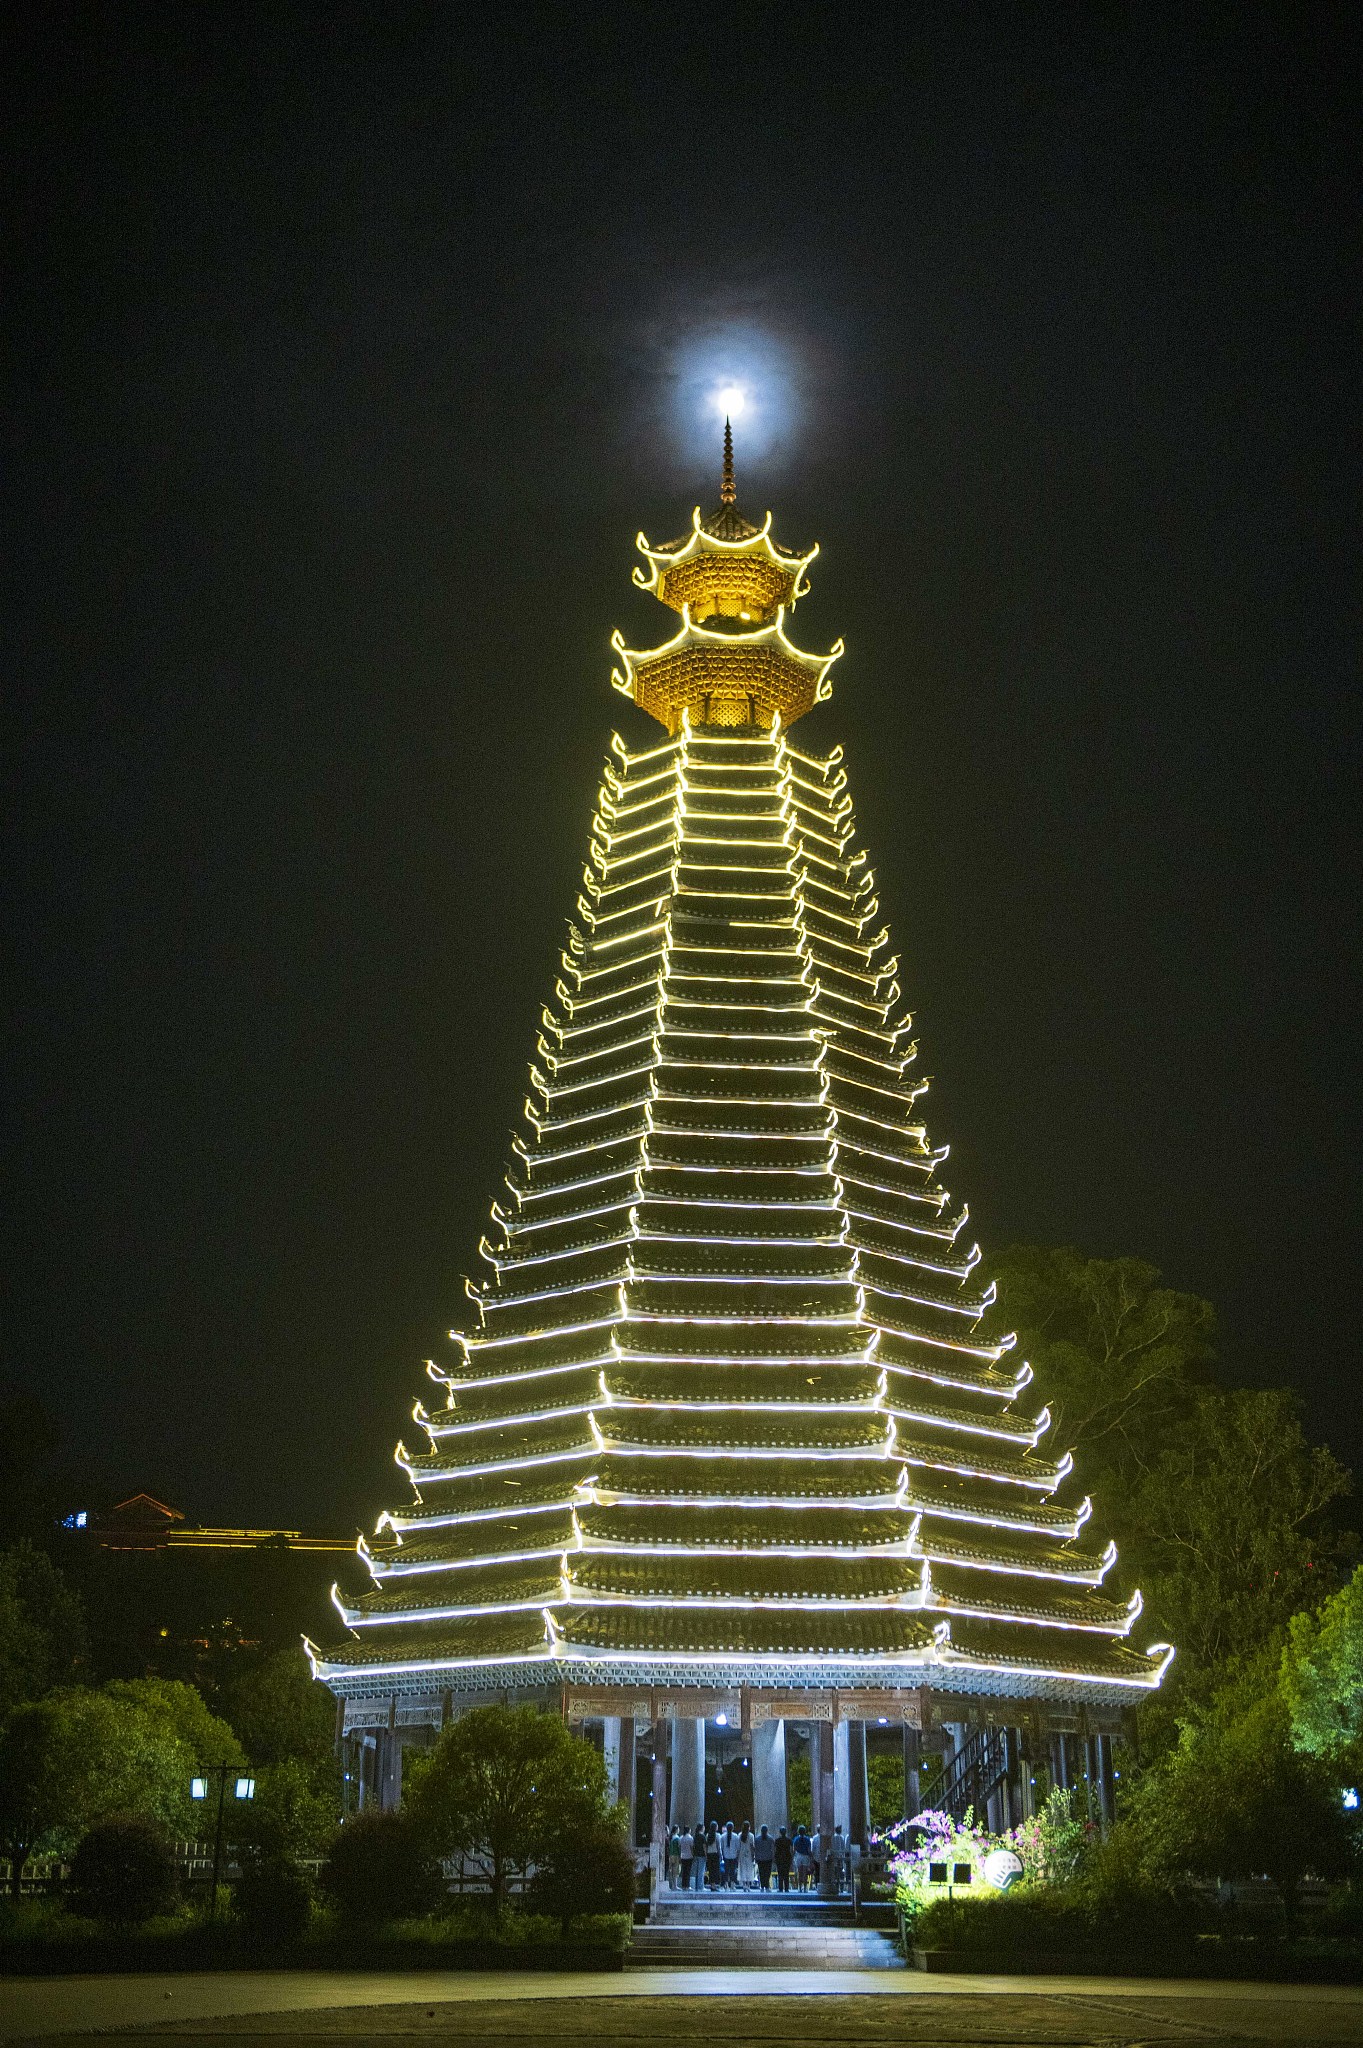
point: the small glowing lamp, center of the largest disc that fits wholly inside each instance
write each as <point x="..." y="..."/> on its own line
<point x="1001" y="1869"/>
<point x="722" y="1721"/>
<point x="198" y="1788"/>
<point x="246" y="1788"/>
<point x="1351" y="1799"/>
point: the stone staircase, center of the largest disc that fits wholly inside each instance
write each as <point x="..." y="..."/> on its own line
<point x="708" y="1932"/>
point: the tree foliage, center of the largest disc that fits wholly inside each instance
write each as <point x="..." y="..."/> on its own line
<point x="76" y="1758"/>
<point x="123" y="1870"/>
<point x="281" y="1713"/>
<point x="289" y="1817"/>
<point x="1220" y="1508"/>
<point x="509" y="1784"/>
<point x="42" y="1627"/>
<point x="180" y="1711"/>
<point x="380" y="1867"/>
<point x="1234" y="1798"/>
<point x="1117" y="1356"/>
<point x="585" y="1869"/>
<point x="1233" y="1529"/>
<point x="272" y="1899"/>
<point x="1322" y="1678"/>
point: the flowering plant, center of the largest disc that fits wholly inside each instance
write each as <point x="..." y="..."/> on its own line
<point x="934" y="1836"/>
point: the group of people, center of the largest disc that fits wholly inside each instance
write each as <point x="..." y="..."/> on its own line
<point x="723" y="1857"/>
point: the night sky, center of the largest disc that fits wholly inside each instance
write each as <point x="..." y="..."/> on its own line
<point x="347" y="350"/>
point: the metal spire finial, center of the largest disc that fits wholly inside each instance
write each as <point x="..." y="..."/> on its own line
<point x="727" y="492"/>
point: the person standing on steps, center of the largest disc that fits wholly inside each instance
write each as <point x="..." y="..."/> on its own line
<point x="782" y="1855"/>
<point x="728" y="1849"/>
<point x="764" y="1849"/>
<point x="698" y="1861"/>
<point x="713" y="1858"/>
<point x="818" y="1851"/>
<point x="687" y="1851"/>
<point x="804" y="1858"/>
<point x="674" y="1859"/>
<point x="747" y="1862"/>
<point x="838" y="1858"/>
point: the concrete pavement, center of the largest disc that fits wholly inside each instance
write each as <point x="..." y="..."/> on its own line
<point x="482" y="2010"/>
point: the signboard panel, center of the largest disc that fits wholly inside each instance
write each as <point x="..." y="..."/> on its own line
<point x="697" y="1705"/>
<point x="903" y="1708"/>
<point x="801" y="1707"/>
<point x="604" y="1703"/>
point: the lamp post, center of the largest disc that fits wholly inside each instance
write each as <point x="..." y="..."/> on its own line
<point x="244" y="1788"/>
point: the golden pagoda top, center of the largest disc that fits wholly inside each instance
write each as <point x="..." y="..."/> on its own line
<point x="725" y="575"/>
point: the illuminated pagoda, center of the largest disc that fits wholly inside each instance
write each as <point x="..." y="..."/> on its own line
<point x="731" y="1449"/>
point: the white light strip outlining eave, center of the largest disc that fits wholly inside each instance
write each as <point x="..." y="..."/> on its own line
<point x="1019" y="1523"/>
<point x="520" y="1419"/>
<point x="968" y="1426"/>
<point x="407" y="1524"/>
<point x="918" y="1260"/>
<point x="955" y="1609"/>
<point x="1015" y="1568"/>
<point x="421" y="1475"/>
<point x="548" y="1656"/>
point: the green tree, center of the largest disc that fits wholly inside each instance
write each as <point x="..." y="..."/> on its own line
<point x="509" y="1784"/>
<point x="180" y="1711"/>
<point x="586" y="1869"/>
<point x="42" y="1627"/>
<point x="885" y="1783"/>
<point x="1235" y="1533"/>
<point x="1322" y="1678"/>
<point x="1234" y="1798"/>
<point x="289" y="1817"/>
<point x="76" y="1758"/>
<point x="282" y="1713"/>
<point x="1117" y="1356"/>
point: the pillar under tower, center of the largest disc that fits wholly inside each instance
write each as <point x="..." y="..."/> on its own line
<point x="687" y="1804"/>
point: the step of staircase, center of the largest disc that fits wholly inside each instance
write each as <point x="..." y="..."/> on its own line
<point x="707" y="1943"/>
<point x="728" y="1909"/>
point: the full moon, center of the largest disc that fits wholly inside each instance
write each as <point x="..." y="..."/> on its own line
<point x="743" y="372"/>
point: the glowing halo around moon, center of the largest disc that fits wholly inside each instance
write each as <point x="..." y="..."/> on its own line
<point x="741" y="373"/>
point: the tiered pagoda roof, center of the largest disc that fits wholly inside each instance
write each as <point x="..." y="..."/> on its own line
<point x="731" y="1405"/>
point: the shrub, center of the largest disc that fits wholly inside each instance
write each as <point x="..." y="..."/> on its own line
<point x="1041" y="1920"/>
<point x="123" y="1871"/>
<point x="379" y="1868"/>
<point x="1064" y="1834"/>
<point x="273" y="1899"/>
<point x="588" y="1870"/>
<point x="473" y="1924"/>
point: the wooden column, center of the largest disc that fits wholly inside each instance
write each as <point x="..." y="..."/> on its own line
<point x="913" y="1764"/>
<point x="821" y="1773"/>
<point x="858" y="1819"/>
<point x="658" y="1831"/>
<point x="611" y="1726"/>
<point x="390" y="1762"/>
<point x="1027" y="1750"/>
<point x="629" y="1776"/>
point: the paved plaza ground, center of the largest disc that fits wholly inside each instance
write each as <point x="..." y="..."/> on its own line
<point x="656" y="2009"/>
